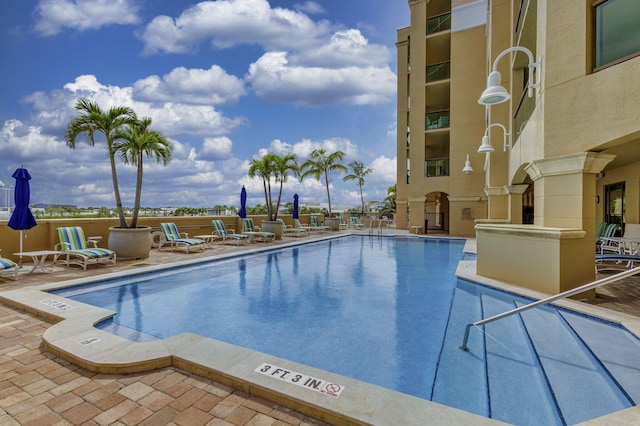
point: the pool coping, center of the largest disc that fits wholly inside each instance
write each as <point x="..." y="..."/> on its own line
<point x="73" y="337"/>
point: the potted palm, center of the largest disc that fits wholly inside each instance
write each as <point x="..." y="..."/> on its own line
<point x="320" y="164"/>
<point x="278" y="167"/>
<point x="131" y="139"/>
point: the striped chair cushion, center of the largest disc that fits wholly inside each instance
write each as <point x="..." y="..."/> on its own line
<point x="6" y="263"/>
<point x="219" y="226"/>
<point x="73" y="236"/>
<point x="93" y="253"/>
<point x="170" y="231"/>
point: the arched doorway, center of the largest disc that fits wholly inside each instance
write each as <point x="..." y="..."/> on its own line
<point x="436" y="212"/>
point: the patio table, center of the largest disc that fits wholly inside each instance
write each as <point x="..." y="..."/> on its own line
<point x="39" y="257"/>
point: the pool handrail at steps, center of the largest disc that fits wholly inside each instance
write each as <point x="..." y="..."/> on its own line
<point x="563" y="295"/>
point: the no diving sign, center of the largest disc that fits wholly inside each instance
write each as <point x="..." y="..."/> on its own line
<point x="323" y="386"/>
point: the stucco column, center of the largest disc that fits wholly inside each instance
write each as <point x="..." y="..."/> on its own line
<point x="401" y="215"/>
<point x="515" y="202"/>
<point x="498" y="203"/>
<point x="416" y="213"/>
<point x="565" y="190"/>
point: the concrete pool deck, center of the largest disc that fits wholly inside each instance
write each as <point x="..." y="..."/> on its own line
<point x="38" y="386"/>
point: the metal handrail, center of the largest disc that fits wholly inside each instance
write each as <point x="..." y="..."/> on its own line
<point x="595" y="284"/>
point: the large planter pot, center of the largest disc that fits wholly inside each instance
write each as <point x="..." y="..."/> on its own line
<point x="333" y="222"/>
<point x="272" y="226"/>
<point x="130" y="243"/>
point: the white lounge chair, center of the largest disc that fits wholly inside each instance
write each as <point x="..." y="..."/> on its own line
<point x="9" y="268"/>
<point x="178" y="240"/>
<point x="254" y="233"/>
<point x="292" y="231"/>
<point x="75" y="248"/>
<point x="221" y="232"/>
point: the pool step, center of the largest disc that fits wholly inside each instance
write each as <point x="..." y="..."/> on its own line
<point x="519" y="391"/>
<point x="582" y="388"/>
<point x="460" y="379"/>
<point x="623" y="363"/>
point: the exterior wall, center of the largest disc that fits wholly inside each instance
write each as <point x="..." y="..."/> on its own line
<point x="466" y="200"/>
<point x="581" y="133"/>
<point x="44" y="235"/>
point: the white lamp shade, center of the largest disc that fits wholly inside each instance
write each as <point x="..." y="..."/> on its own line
<point x="494" y="93"/>
<point x="486" y="145"/>
<point x="467" y="166"/>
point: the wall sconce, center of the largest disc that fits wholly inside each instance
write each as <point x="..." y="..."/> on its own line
<point x="467" y="166"/>
<point x="495" y="93"/>
<point x="486" y="142"/>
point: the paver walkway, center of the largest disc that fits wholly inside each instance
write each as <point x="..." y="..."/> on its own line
<point x="38" y="388"/>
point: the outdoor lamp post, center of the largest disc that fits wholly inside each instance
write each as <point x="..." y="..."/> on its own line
<point x="467" y="166"/>
<point x="495" y="93"/>
<point x="486" y="141"/>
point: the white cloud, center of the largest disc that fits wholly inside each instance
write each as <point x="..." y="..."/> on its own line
<point x="274" y="79"/>
<point x="229" y="23"/>
<point x="216" y="148"/>
<point x="82" y="15"/>
<point x="384" y="170"/>
<point x="345" y="48"/>
<point x="310" y="7"/>
<point x="53" y="110"/>
<point x="192" y="86"/>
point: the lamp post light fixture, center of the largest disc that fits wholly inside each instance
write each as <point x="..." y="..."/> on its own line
<point x="467" y="166"/>
<point x="495" y="93"/>
<point x="486" y="141"/>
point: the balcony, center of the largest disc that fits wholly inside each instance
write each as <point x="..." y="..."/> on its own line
<point x="439" y="71"/>
<point x="436" y="167"/>
<point x="439" y="23"/>
<point x="437" y="120"/>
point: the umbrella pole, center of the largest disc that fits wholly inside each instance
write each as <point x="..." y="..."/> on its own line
<point x="20" y="262"/>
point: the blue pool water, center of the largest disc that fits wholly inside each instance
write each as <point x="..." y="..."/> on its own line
<point x="388" y="311"/>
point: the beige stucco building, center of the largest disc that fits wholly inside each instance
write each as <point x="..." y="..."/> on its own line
<point x="566" y="152"/>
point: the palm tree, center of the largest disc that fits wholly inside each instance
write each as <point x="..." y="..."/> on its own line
<point x="359" y="172"/>
<point x="282" y="165"/>
<point x="94" y="120"/>
<point x="390" y="201"/>
<point x="278" y="167"/>
<point x="133" y="144"/>
<point x="320" y="163"/>
<point x="263" y="168"/>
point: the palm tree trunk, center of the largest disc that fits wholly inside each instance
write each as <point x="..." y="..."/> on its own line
<point x="362" y="200"/>
<point x="266" y="197"/>
<point x="136" y="203"/>
<point x="326" y="180"/>
<point x="279" y="199"/>
<point x="116" y="188"/>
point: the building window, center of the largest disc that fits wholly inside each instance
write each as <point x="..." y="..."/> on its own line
<point x="437" y="167"/>
<point x="616" y="31"/>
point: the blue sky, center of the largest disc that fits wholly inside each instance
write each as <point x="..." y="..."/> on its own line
<point x="226" y="81"/>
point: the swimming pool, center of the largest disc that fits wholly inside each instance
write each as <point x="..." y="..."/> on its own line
<point x="374" y="309"/>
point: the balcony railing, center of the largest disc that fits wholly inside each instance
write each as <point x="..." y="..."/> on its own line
<point x="437" y="120"/>
<point x="436" y="167"/>
<point x="439" y="23"/>
<point x="439" y="71"/>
